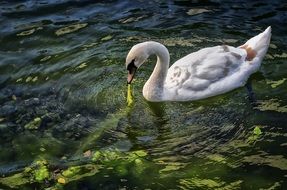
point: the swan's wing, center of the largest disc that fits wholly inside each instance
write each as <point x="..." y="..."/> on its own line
<point x="198" y="70"/>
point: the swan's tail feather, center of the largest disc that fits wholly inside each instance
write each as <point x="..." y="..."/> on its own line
<point x="258" y="45"/>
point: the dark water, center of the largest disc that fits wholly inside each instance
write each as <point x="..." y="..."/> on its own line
<point x="64" y="121"/>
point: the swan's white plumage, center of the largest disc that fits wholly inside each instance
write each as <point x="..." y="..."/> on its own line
<point x="205" y="73"/>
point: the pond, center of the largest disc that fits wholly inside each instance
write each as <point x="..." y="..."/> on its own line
<point x="65" y="122"/>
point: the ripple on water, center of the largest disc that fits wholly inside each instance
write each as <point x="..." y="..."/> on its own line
<point x="63" y="87"/>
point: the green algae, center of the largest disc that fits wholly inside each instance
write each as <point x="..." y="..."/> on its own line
<point x="70" y="28"/>
<point x="195" y="11"/>
<point x="129" y="96"/>
<point x="19" y="80"/>
<point x="88" y="170"/>
<point x="271" y="105"/>
<point x="140" y="153"/>
<point x="28" y="79"/>
<point x="180" y="42"/>
<point x="110" y="155"/>
<point x="125" y="163"/>
<point x="275" y="186"/>
<point x="27" y="32"/>
<point x="39" y="170"/>
<point x="138" y="162"/>
<point x="121" y="161"/>
<point x="122" y="170"/>
<point x="232" y="186"/>
<point x="244" y="143"/>
<point x="172" y="166"/>
<point x="216" y="158"/>
<point x="255" y="134"/>
<point x="90" y="45"/>
<point x="96" y="156"/>
<point x="35" y="79"/>
<point x="107" y="38"/>
<point x="110" y="122"/>
<point x="61" y="180"/>
<point x="275" y="84"/>
<point x="81" y="66"/>
<point x="257" y="131"/>
<point x="273" y="46"/>
<point x="282" y="55"/>
<point x="202" y="183"/>
<point x="46" y="58"/>
<point x="132" y="19"/>
<point x="34" y="124"/>
<point x="274" y="161"/>
<point x="41" y="173"/>
<point x="139" y="166"/>
<point x="113" y="155"/>
<point x="36" y="172"/>
<point x="72" y="171"/>
<point x="15" y="180"/>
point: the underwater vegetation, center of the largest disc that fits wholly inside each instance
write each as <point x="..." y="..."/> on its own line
<point x="68" y="120"/>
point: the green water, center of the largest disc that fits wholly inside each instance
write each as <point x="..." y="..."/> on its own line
<point x="64" y="119"/>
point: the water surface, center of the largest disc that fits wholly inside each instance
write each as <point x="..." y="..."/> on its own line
<point x="65" y="123"/>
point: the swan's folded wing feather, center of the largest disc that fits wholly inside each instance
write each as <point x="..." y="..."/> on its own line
<point x="198" y="70"/>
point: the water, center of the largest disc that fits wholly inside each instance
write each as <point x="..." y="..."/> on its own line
<point x="65" y="123"/>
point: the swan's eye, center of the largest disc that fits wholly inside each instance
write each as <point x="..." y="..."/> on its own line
<point x="131" y="66"/>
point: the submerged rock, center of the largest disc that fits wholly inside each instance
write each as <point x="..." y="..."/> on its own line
<point x="7" y="110"/>
<point x="32" y="102"/>
<point x="3" y="126"/>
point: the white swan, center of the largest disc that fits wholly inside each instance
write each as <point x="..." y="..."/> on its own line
<point x="205" y="73"/>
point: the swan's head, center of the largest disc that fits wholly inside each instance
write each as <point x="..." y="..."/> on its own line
<point x="135" y="58"/>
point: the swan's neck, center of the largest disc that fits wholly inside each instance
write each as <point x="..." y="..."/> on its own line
<point x="153" y="88"/>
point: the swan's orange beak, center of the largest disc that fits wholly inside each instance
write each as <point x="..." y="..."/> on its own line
<point x="131" y="72"/>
